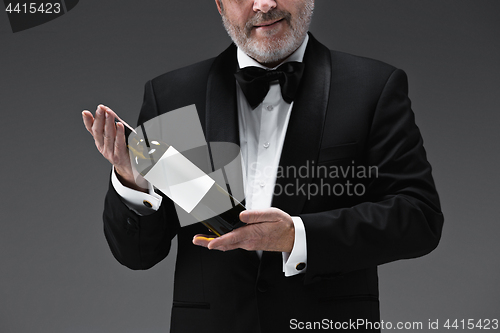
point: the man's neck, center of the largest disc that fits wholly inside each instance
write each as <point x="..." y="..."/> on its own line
<point x="275" y="64"/>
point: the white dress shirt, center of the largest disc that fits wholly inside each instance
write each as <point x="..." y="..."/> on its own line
<point x="262" y="134"/>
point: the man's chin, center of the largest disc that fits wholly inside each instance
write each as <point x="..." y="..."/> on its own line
<point x="267" y="53"/>
<point x="269" y="45"/>
<point x="269" y="40"/>
<point x="264" y="45"/>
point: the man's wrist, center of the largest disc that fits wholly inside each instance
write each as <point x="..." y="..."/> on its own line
<point x="291" y="236"/>
<point x="127" y="180"/>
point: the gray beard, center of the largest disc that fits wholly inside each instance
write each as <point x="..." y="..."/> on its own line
<point x="275" y="49"/>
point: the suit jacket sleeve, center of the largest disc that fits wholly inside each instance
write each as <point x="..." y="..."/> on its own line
<point x="139" y="242"/>
<point x="400" y="217"/>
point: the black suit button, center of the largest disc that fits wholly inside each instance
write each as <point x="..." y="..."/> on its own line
<point x="262" y="286"/>
<point x="300" y="266"/>
<point x="147" y="204"/>
<point x="132" y="226"/>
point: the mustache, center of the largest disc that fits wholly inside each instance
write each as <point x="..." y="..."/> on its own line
<point x="272" y="15"/>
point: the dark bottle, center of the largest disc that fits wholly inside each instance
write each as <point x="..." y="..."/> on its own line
<point x="183" y="182"/>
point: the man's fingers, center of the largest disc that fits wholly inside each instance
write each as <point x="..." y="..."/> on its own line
<point x="115" y="133"/>
<point x="109" y="134"/>
<point x="243" y="237"/>
<point x="88" y="120"/>
<point x="262" y="215"/>
<point x="98" y="128"/>
<point x="202" y="240"/>
<point x="120" y="149"/>
<point x="230" y="247"/>
<point x="225" y="242"/>
<point x="108" y="109"/>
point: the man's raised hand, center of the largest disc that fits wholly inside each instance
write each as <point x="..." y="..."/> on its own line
<point x="110" y="140"/>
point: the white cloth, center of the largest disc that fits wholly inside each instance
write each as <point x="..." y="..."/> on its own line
<point x="262" y="134"/>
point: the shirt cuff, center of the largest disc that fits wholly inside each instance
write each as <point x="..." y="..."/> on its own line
<point x="140" y="202"/>
<point x="295" y="262"/>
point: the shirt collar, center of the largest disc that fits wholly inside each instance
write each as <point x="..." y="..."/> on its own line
<point x="245" y="61"/>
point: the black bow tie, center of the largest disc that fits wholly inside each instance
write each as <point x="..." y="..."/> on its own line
<point x="255" y="81"/>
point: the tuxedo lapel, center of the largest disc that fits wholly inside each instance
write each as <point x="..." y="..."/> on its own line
<point x="221" y="113"/>
<point x="305" y="129"/>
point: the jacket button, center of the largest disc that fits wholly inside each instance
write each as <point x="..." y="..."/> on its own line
<point x="131" y="226"/>
<point x="262" y="286"/>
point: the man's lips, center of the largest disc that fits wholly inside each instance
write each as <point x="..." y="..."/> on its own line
<point x="267" y="24"/>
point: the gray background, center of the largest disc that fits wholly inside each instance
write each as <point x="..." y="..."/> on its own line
<point x="57" y="273"/>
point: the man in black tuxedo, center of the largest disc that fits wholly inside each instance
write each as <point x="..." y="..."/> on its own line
<point x="366" y="197"/>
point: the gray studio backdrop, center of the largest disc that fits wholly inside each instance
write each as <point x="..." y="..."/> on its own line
<point x="56" y="271"/>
